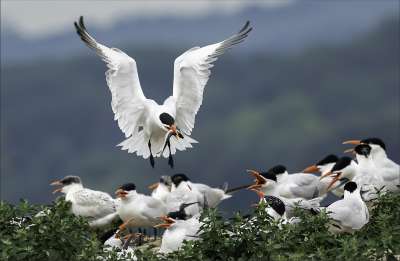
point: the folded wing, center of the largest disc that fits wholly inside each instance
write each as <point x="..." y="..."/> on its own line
<point x="191" y="73"/>
<point x="128" y="100"/>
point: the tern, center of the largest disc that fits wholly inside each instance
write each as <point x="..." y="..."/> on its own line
<point x="177" y="231"/>
<point x="298" y="185"/>
<point x="389" y="169"/>
<point x="97" y="206"/>
<point x="138" y="210"/>
<point x="350" y="213"/>
<point x="148" y="126"/>
<point x="293" y="192"/>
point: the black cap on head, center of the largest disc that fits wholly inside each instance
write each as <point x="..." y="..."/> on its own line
<point x="67" y="180"/>
<point x="178" y="178"/>
<point x="128" y="186"/>
<point x="269" y="175"/>
<point x="341" y="163"/>
<point x="350" y="186"/>
<point x="276" y="204"/>
<point x="277" y="170"/>
<point x="331" y="158"/>
<point x="363" y="149"/>
<point x="375" y="141"/>
<point x="166" y="119"/>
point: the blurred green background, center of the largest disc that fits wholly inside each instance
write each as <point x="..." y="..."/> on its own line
<point x="311" y="75"/>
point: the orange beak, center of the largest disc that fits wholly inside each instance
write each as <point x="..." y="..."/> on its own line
<point x="56" y="183"/>
<point x="311" y="169"/>
<point x="325" y="175"/>
<point x="259" y="180"/>
<point x="260" y="194"/>
<point x="120" y="193"/>
<point x="167" y="222"/>
<point x="153" y="186"/>
<point x="354" y="142"/>
<point x="349" y="151"/>
<point x="336" y="178"/>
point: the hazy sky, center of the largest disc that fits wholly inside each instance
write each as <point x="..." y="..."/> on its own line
<point x="38" y="18"/>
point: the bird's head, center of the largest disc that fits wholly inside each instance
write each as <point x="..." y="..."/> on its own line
<point x="126" y="191"/>
<point x="363" y="150"/>
<point x="261" y="179"/>
<point x="168" y="123"/>
<point x="66" y="183"/>
<point x="326" y="162"/>
<point x="377" y="145"/>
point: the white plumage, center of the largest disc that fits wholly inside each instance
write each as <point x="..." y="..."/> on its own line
<point x="140" y="118"/>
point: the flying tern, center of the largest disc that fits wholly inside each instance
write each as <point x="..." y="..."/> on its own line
<point x="148" y="126"/>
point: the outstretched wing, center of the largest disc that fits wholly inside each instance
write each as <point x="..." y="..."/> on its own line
<point x="128" y="100"/>
<point x="191" y="73"/>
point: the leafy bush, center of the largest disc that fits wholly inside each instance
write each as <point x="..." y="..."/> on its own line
<point x="58" y="235"/>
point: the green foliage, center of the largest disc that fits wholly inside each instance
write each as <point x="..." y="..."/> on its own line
<point x="58" y="235"/>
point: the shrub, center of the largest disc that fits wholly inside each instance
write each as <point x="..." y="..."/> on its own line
<point x="56" y="234"/>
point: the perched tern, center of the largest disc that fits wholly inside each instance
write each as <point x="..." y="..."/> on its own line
<point x="97" y="206"/>
<point x="177" y="231"/>
<point x="299" y="185"/>
<point x="147" y="125"/>
<point x="350" y="213"/>
<point x="138" y="210"/>
<point x="288" y="191"/>
<point x="389" y="169"/>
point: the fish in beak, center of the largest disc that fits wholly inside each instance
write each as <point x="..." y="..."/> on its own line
<point x="56" y="183"/>
<point x="259" y="180"/>
<point x="167" y="222"/>
<point x="154" y="186"/>
<point x="120" y="193"/>
<point x="311" y="169"/>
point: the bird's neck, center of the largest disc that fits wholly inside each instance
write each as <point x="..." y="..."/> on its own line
<point x="326" y="168"/>
<point x="72" y="188"/>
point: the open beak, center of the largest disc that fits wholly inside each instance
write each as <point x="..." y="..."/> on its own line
<point x="120" y="193"/>
<point x="167" y="222"/>
<point x="336" y="178"/>
<point x="56" y="183"/>
<point x="259" y="180"/>
<point x="174" y="130"/>
<point x="349" y="151"/>
<point x="354" y="142"/>
<point x="311" y="169"/>
<point x="153" y="186"/>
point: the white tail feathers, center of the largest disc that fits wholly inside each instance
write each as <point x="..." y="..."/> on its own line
<point x="139" y="143"/>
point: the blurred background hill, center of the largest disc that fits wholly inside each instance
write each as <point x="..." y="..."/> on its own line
<point x="311" y="75"/>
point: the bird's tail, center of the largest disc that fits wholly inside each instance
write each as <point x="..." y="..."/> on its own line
<point x="139" y="143"/>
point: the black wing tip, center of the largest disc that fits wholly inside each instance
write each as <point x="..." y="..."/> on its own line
<point x="246" y="28"/>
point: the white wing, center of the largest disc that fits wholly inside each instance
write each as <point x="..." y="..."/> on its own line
<point x="94" y="204"/>
<point x="128" y="100"/>
<point x="191" y="73"/>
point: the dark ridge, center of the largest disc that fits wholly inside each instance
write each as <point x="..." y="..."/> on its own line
<point x="350" y="186"/>
<point x="331" y="158"/>
<point x="277" y="170"/>
<point x="128" y="186"/>
<point x="276" y="204"/>
<point x="178" y="178"/>
<point x="376" y="141"/>
<point x="70" y="180"/>
<point x="363" y="149"/>
<point x="341" y="163"/>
